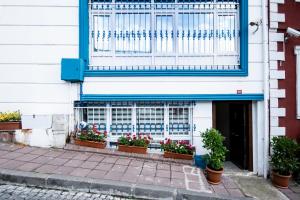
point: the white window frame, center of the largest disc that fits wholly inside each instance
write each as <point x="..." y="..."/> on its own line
<point x="111" y="60"/>
<point x="108" y="115"/>
<point x="297" y="53"/>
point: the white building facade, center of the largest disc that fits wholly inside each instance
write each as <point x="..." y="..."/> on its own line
<point x="169" y="68"/>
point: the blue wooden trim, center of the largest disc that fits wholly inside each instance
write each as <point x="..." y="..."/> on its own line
<point x="171" y="97"/>
<point x="84" y="51"/>
<point x="244" y="36"/>
<point x="84" y="31"/>
<point x="119" y="73"/>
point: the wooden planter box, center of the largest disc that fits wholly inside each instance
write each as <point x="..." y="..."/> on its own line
<point x="86" y="143"/>
<point x="9" y="126"/>
<point x="168" y="154"/>
<point x="132" y="149"/>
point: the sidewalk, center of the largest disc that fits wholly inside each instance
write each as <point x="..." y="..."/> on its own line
<point x="112" y="172"/>
<point x="102" y="173"/>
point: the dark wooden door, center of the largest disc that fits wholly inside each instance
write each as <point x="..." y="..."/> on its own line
<point x="238" y="134"/>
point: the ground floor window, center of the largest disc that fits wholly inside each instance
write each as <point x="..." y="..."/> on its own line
<point x="159" y="119"/>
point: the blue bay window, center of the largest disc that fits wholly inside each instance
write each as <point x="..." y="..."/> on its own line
<point x="164" y="37"/>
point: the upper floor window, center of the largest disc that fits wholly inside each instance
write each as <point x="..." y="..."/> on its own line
<point x="164" y="32"/>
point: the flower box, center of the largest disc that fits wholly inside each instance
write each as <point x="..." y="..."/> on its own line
<point x="132" y="149"/>
<point x="168" y="154"/>
<point x="8" y="126"/>
<point x="86" y="143"/>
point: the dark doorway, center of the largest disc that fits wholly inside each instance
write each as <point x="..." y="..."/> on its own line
<point x="234" y="121"/>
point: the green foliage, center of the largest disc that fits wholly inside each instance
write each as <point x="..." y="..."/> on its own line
<point x="181" y="147"/>
<point x="284" y="158"/>
<point x="10" y="116"/>
<point x="213" y="142"/>
<point x="138" y="141"/>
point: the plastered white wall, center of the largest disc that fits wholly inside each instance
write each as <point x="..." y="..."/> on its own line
<point x="35" y="35"/>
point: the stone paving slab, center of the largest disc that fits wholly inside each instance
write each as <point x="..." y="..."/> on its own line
<point x="115" y="152"/>
<point x="106" y="172"/>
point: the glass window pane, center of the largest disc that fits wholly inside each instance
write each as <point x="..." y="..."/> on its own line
<point x="132" y="32"/>
<point x="164" y="28"/>
<point x="101" y="33"/>
<point x="227" y="38"/>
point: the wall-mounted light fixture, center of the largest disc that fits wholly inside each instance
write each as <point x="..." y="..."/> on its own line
<point x="257" y="24"/>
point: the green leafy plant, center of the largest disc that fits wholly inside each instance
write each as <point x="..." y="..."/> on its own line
<point x="10" y="116"/>
<point x="182" y="147"/>
<point x="92" y="134"/>
<point x="139" y="141"/>
<point x="213" y="142"/>
<point x="284" y="155"/>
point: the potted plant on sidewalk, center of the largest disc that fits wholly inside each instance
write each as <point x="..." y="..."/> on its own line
<point x="91" y="138"/>
<point x="134" y="144"/>
<point x="177" y="150"/>
<point x="213" y="142"/>
<point x="10" y="120"/>
<point x="283" y="161"/>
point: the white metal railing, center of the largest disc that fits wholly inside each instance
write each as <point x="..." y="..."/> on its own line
<point x="159" y="121"/>
<point x="178" y="32"/>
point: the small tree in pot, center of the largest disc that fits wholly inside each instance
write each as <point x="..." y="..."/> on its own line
<point x="284" y="160"/>
<point x="213" y="142"/>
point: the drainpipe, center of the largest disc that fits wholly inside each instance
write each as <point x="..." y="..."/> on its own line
<point x="266" y="86"/>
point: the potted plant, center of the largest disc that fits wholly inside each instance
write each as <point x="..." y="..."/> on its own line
<point x="134" y="144"/>
<point x="213" y="142"/>
<point x="10" y="120"/>
<point x="284" y="160"/>
<point x="177" y="150"/>
<point x="91" y="138"/>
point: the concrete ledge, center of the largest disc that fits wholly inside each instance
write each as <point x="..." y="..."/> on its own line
<point x="103" y="186"/>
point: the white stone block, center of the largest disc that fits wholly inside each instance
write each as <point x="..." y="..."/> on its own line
<point x="273" y="46"/>
<point x="277" y="74"/>
<point x="273" y="84"/>
<point x="274" y="122"/>
<point x="278" y="93"/>
<point x="274" y="55"/>
<point x="274" y="102"/>
<point x="273" y="7"/>
<point x="276" y="37"/>
<point x="277" y="131"/>
<point x="277" y="17"/>
<point x="279" y="112"/>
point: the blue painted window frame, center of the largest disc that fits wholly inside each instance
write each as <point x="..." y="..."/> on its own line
<point x="84" y="51"/>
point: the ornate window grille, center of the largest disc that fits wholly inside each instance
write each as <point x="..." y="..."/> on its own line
<point x="161" y="120"/>
<point x="164" y="35"/>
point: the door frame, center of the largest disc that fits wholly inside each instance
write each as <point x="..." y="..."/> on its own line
<point x="250" y="126"/>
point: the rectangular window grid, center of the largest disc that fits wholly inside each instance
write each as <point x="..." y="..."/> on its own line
<point x="164" y="32"/>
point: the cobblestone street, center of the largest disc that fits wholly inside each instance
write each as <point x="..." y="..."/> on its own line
<point x="21" y="192"/>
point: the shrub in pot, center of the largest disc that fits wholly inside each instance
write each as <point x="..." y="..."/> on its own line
<point x="284" y="160"/>
<point x="213" y="143"/>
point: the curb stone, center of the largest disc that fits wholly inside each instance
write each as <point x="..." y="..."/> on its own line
<point x="116" y="188"/>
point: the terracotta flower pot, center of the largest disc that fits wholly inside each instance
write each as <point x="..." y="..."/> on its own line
<point x="214" y="177"/>
<point x="280" y="181"/>
<point x="168" y="154"/>
<point x="8" y="126"/>
<point x="86" y="143"/>
<point x="132" y="149"/>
